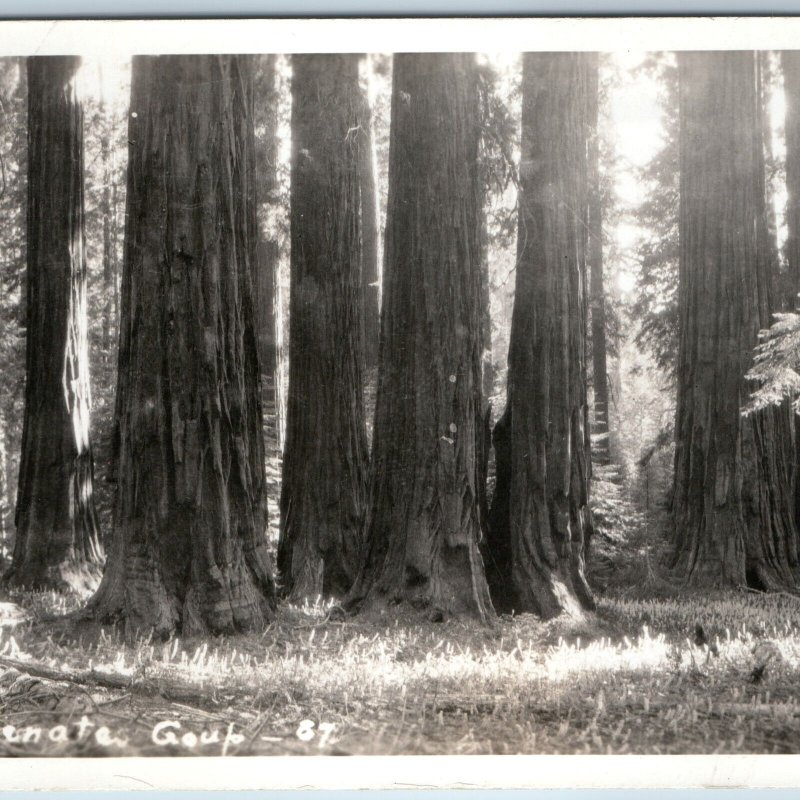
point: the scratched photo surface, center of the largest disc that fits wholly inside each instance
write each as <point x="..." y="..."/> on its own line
<point x="427" y="403"/>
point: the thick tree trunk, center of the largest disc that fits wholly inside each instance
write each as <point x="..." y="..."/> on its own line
<point x="540" y="514"/>
<point x="370" y="238"/>
<point x="189" y="549"/>
<point x="423" y="524"/>
<point x="733" y="517"/>
<point x="595" y="258"/>
<point x="57" y="543"/>
<point x="775" y="466"/>
<point x="267" y="290"/>
<point x="790" y="61"/>
<point x="325" y="461"/>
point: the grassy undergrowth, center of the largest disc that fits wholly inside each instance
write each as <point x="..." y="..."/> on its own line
<point x="629" y="679"/>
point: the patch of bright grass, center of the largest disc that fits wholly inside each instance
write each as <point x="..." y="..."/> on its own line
<point x="628" y="680"/>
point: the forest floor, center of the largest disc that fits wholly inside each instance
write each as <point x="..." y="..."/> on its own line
<point x="628" y="679"/>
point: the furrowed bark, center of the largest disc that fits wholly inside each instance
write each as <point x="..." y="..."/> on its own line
<point x="57" y="543"/>
<point x="733" y="512"/>
<point x="189" y="549"/>
<point x="540" y="515"/>
<point x="790" y="61"/>
<point x="325" y="462"/>
<point x="423" y="524"/>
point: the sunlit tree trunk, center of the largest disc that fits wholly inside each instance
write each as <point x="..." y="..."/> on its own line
<point x="733" y="516"/>
<point x="540" y="513"/>
<point x="423" y="525"/>
<point x="189" y="550"/>
<point x="325" y="460"/>
<point x="266" y="280"/>
<point x="57" y="543"/>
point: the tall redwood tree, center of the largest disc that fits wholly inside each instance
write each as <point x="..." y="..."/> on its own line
<point x="325" y="460"/>
<point x="733" y="510"/>
<point x="189" y="549"/>
<point x="423" y="524"/>
<point x="57" y="541"/>
<point x="540" y="514"/>
<point x="790" y="62"/>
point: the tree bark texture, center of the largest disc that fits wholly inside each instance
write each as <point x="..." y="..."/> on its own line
<point x="540" y="513"/>
<point x="423" y="525"/>
<point x="775" y="425"/>
<point x="57" y="541"/>
<point x="790" y="61"/>
<point x="595" y="258"/>
<point x="732" y="503"/>
<point x="189" y="550"/>
<point x="324" y="482"/>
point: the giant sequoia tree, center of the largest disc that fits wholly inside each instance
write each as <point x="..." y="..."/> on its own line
<point x="733" y="510"/>
<point x="540" y="515"/>
<point x="790" y="61"/>
<point x="57" y="542"/>
<point x="423" y="523"/>
<point x="325" y="461"/>
<point x="189" y="550"/>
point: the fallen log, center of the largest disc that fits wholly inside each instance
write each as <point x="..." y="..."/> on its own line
<point x="163" y="688"/>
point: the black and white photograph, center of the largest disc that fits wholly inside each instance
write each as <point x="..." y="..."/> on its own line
<point x="420" y="398"/>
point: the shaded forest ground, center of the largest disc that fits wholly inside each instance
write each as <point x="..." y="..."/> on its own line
<point x="629" y="679"/>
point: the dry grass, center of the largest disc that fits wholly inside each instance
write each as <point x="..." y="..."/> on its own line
<point x="628" y="680"/>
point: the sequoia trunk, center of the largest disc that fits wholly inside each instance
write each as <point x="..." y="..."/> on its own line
<point x="325" y="461"/>
<point x="540" y="513"/>
<point x="423" y="524"/>
<point x="790" y="61"/>
<point x="189" y="550"/>
<point x="733" y="516"/>
<point x="57" y="542"/>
